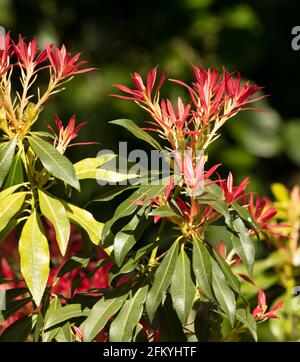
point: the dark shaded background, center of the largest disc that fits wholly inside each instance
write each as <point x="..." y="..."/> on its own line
<point x="119" y="37"/>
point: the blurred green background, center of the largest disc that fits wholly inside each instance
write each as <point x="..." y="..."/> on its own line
<point x="119" y="37"/>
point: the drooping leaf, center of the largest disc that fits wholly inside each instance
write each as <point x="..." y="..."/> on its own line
<point x="202" y="267"/>
<point x="15" y="174"/>
<point x="7" y="151"/>
<point x="101" y="312"/>
<point x="12" y="307"/>
<point x="122" y="327"/>
<point x="162" y="280"/>
<point x="223" y="292"/>
<point x="54" y="211"/>
<point x="137" y="131"/>
<point x="86" y="220"/>
<point x="55" y="163"/>
<point x="88" y="167"/>
<point x="9" y="206"/>
<point x="34" y="256"/>
<point x="111" y="194"/>
<point x="65" y="313"/>
<point x="183" y="289"/>
<point x="243" y="245"/>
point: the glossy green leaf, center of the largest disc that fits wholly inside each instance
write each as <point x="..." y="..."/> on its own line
<point x="7" y="151"/>
<point x="243" y="245"/>
<point x="101" y="312"/>
<point x="65" y="334"/>
<point x="86" y="220"/>
<point x="202" y="267"/>
<point x="12" y="307"/>
<point x="162" y="280"/>
<point x="231" y="278"/>
<point x="55" y="163"/>
<point x="246" y="318"/>
<point x="34" y="256"/>
<point x="122" y="327"/>
<point x="223" y="292"/>
<point x="137" y="131"/>
<point x="128" y="207"/>
<point x="9" y="206"/>
<point x="47" y="336"/>
<point x="126" y="238"/>
<point x="54" y="211"/>
<point x="111" y="194"/>
<point x="183" y="289"/>
<point x="59" y="315"/>
<point x="163" y="211"/>
<point x="88" y="167"/>
<point x="15" y="174"/>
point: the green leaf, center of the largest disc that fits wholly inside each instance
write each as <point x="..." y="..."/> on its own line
<point x="35" y="257"/>
<point x="128" y="207"/>
<point x="9" y="206"/>
<point x="202" y="267"/>
<point x="163" y="211"/>
<point x="113" y="176"/>
<point x="12" y="307"/>
<point x="162" y="280"/>
<point x="126" y="238"/>
<point x="245" y="215"/>
<point x="55" y="163"/>
<point x="7" y="151"/>
<point x="86" y="220"/>
<point x="18" y="331"/>
<point x="245" y="317"/>
<point x="64" y="333"/>
<point x="59" y="315"/>
<point x="137" y="131"/>
<point x="243" y="245"/>
<point x="101" y="312"/>
<point x="223" y="292"/>
<point x="170" y="327"/>
<point x="111" y="194"/>
<point x="47" y="336"/>
<point x="122" y="327"/>
<point x="15" y="174"/>
<point x="183" y="289"/>
<point x="54" y="211"/>
<point x="231" y="278"/>
<point x="9" y="191"/>
<point x="88" y="168"/>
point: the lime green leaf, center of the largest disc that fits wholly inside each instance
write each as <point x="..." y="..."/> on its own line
<point x="280" y="192"/>
<point x="243" y="245"/>
<point x="183" y="289"/>
<point x="121" y="329"/>
<point x="88" y="168"/>
<point x="35" y="257"/>
<point x="47" y="336"/>
<point x="7" y="151"/>
<point x="231" y="278"/>
<point x="54" y="211"/>
<point x="9" y="191"/>
<point x="65" y="334"/>
<point x="15" y="174"/>
<point x="137" y="131"/>
<point x="86" y="220"/>
<point x="9" y="206"/>
<point x="202" y="268"/>
<point x="223" y="293"/>
<point x="59" y="315"/>
<point x="55" y="163"/>
<point x="162" y="280"/>
<point x="245" y="317"/>
<point x="101" y="312"/>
